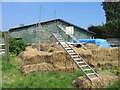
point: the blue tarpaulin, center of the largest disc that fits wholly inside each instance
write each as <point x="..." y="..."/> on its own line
<point x="99" y="42"/>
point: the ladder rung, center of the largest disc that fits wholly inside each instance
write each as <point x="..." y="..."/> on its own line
<point x="59" y="38"/>
<point x="78" y="59"/>
<point x="75" y="56"/>
<point x="94" y="78"/>
<point x="86" y="69"/>
<point x="72" y="53"/>
<point x="80" y="62"/>
<point x="61" y="41"/>
<point x="67" y="48"/>
<point x="83" y="66"/>
<point x="90" y="74"/>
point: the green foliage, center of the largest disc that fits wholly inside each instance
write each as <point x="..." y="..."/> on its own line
<point x="9" y="67"/>
<point x="116" y="85"/>
<point x="0" y="33"/>
<point x="99" y="30"/>
<point x="16" y="46"/>
<point x="12" y="77"/>
<point x="109" y="68"/>
<point x="112" y="11"/>
<point x="112" y="27"/>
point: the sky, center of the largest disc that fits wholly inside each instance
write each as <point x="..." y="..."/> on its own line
<point x="83" y="14"/>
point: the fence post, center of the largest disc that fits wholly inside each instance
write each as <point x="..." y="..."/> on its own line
<point x="7" y="48"/>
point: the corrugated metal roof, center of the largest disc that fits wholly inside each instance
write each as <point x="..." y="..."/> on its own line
<point x="52" y="21"/>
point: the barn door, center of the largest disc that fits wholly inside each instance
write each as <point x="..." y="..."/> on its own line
<point x="70" y="30"/>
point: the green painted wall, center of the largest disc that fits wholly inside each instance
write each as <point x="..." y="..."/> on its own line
<point x="35" y="34"/>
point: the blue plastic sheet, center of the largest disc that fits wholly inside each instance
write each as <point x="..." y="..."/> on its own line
<point x="99" y="42"/>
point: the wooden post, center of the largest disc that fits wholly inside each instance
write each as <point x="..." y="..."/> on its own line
<point x="7" y="48"/>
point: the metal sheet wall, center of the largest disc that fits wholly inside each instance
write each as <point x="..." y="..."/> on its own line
<point x="38" y="34"/>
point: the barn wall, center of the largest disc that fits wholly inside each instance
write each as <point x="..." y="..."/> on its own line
<point x="37" y="35"/>
<point x="78" y="33"/>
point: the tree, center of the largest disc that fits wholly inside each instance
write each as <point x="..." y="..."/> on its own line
<point x="99" y="30"/>
<point x="112" y="11"/>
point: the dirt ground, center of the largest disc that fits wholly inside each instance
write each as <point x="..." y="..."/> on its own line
<point x="52" y="57"/>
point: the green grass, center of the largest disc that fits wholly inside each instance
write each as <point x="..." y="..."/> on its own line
<point x="115" y="85"/>
<point x="112" y="69"/>
<point x="13" y="78"/>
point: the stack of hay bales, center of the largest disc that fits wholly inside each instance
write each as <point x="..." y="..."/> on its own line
<point x="35" y="61"/>
<point x="105" y="56"/>
<point x="60" y="61"/>
<point x="100" y="56"/>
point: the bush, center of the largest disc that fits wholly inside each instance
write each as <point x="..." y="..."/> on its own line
<point x="16" y="46"/>
<point x="99" y="30"/>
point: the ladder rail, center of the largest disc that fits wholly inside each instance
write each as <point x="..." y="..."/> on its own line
<point x="78" y="56"/>
<point x="73" y="37"/>
<point x="74" y="60"/>
<point x="81" y="58"/>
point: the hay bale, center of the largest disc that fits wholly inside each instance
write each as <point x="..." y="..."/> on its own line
<point x="42" y="67"/>
<point x="95" y="57"/>
<point x="91" y="46"/>
<point x="60" y="56"/>
<point x="85" y="54"/>
<point x="45" y="67"/>
<point x="59" y="59"/>
<point x="83" y="82"/>
<point x="105" y="56"/>
<point x="100" y="56"/>
<point x="60" y="66"/>
<point x="50" y="47"/>
<point x="34" y="56"/>
<point x="65" y="66"/>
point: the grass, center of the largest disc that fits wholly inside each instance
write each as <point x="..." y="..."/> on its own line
<point x="115" y="85"/>
<point x="13" y="78"/>
<point x="112" y="69"/>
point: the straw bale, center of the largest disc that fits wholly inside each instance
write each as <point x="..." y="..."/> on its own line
<point x="42" y="67"/>
<point x="67" y="66"/>
<point x="59" y="59"/>
<point x="83" y="82"/>
<point x="34" y="56"/>
<point x="91" y="46"/>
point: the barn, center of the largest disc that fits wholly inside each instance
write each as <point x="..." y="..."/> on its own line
<point x="42" y="32"/>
